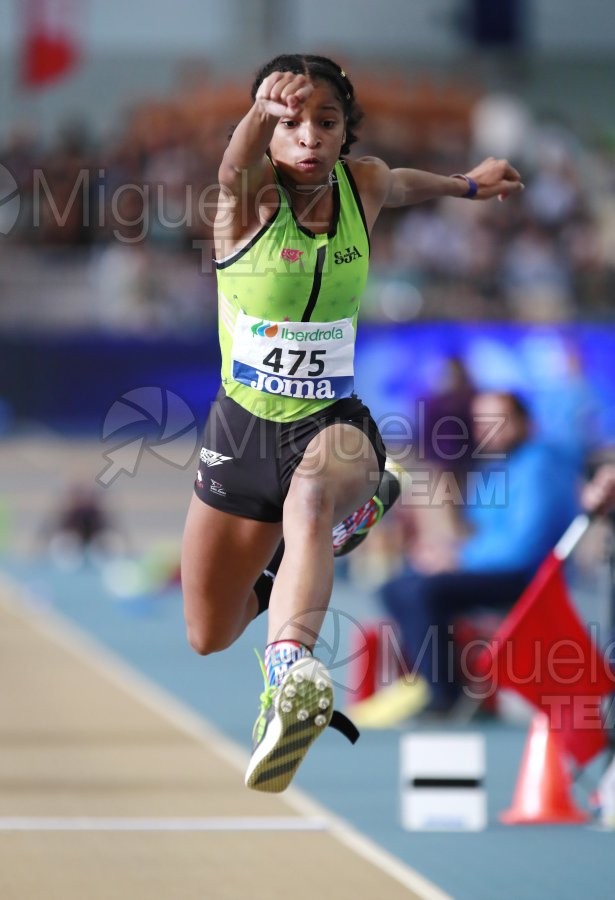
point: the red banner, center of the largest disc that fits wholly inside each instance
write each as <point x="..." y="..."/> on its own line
<point x="544" y="652"/>
<point x="51" y="40"/>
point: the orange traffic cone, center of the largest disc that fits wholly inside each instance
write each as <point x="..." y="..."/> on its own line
<point x="543" y="791"/>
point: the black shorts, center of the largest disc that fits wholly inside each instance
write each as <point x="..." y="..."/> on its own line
<point x="246" y="463"/>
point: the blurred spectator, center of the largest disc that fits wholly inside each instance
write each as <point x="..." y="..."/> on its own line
<point x="501" y="126"/>
<point x="564" y="402"/>
<point x="598" y="495"/>
<point x="448" y="438"/>
<point x="154" y="182"/>
<point x="445" y="444"/>
<point x="81" y="529"/>
<point x="535" y="277"/>
<point x="526" y="495"/>
<point x="553" y="196"/>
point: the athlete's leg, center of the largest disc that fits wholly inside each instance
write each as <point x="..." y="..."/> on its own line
<point x="336" y="475"/>
<point x="352" y="531"/>
<point x="348" y="534"/>
<point x="222" y="558"/>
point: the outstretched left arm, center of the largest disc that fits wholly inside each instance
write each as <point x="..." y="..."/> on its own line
<point x="381" y="186"/>
<point x="491" y="178"/>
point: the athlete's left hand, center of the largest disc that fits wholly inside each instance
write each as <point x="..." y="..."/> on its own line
<point x="496" y="178"/>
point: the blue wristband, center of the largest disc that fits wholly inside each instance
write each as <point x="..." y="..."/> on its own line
<point x="472" y="186"/>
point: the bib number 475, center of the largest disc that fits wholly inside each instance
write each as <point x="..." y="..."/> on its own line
<point x="316" y="364"/>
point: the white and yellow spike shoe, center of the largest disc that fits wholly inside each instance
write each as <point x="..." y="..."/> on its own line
<point x="292" y="716"/>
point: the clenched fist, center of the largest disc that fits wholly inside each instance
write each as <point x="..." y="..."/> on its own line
<point x="283" y="93"/>
<point x="495" y="178"/>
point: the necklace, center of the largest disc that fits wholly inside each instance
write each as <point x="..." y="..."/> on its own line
<point x="313" y="189"/>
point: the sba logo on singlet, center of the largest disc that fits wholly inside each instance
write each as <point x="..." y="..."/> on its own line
<point x="347" y="255"/>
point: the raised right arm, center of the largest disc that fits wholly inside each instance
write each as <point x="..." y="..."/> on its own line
<point x="244" y="165"/>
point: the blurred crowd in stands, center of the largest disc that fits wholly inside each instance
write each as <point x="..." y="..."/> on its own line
<point x="118" y="230"/>
<point x="138" y="205"/>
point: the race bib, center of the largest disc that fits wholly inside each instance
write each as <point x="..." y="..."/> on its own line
<point x="305" y="360"/>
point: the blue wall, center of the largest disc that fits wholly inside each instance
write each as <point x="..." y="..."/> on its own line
<point x="69" y="382"/>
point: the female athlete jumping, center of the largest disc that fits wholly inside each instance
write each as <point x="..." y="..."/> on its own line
<point x="289" y="450"/>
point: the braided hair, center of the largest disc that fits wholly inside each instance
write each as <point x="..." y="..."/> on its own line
<point x="323" y="69"/>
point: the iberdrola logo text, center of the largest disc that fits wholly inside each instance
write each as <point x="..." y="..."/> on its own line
<point x="271" y="330"/>
<point x="317" y="334"/>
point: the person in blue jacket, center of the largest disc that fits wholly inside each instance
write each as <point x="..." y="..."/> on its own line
<point x="522" y="495"/>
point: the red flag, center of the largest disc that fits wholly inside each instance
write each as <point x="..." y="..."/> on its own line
<point x="51" y="45"/>
<point x="543" y="651"/>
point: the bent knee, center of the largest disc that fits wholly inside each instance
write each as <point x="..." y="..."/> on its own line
<point x="207" y="631"/>
<point x="311" y="500"/>
<point x="205" y="641"/>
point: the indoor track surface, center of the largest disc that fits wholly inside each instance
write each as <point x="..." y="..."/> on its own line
<point x="122" y="752"/>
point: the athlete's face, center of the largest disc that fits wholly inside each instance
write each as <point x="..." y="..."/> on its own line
<point x="307" y="146"/>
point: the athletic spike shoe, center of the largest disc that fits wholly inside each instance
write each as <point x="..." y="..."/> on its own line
<point x="355" y="528"/>
<point x="292" y="716"/>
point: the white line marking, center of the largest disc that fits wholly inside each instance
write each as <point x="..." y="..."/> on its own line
<point x="77" y="642"/>
<point x="83" y="823"/>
